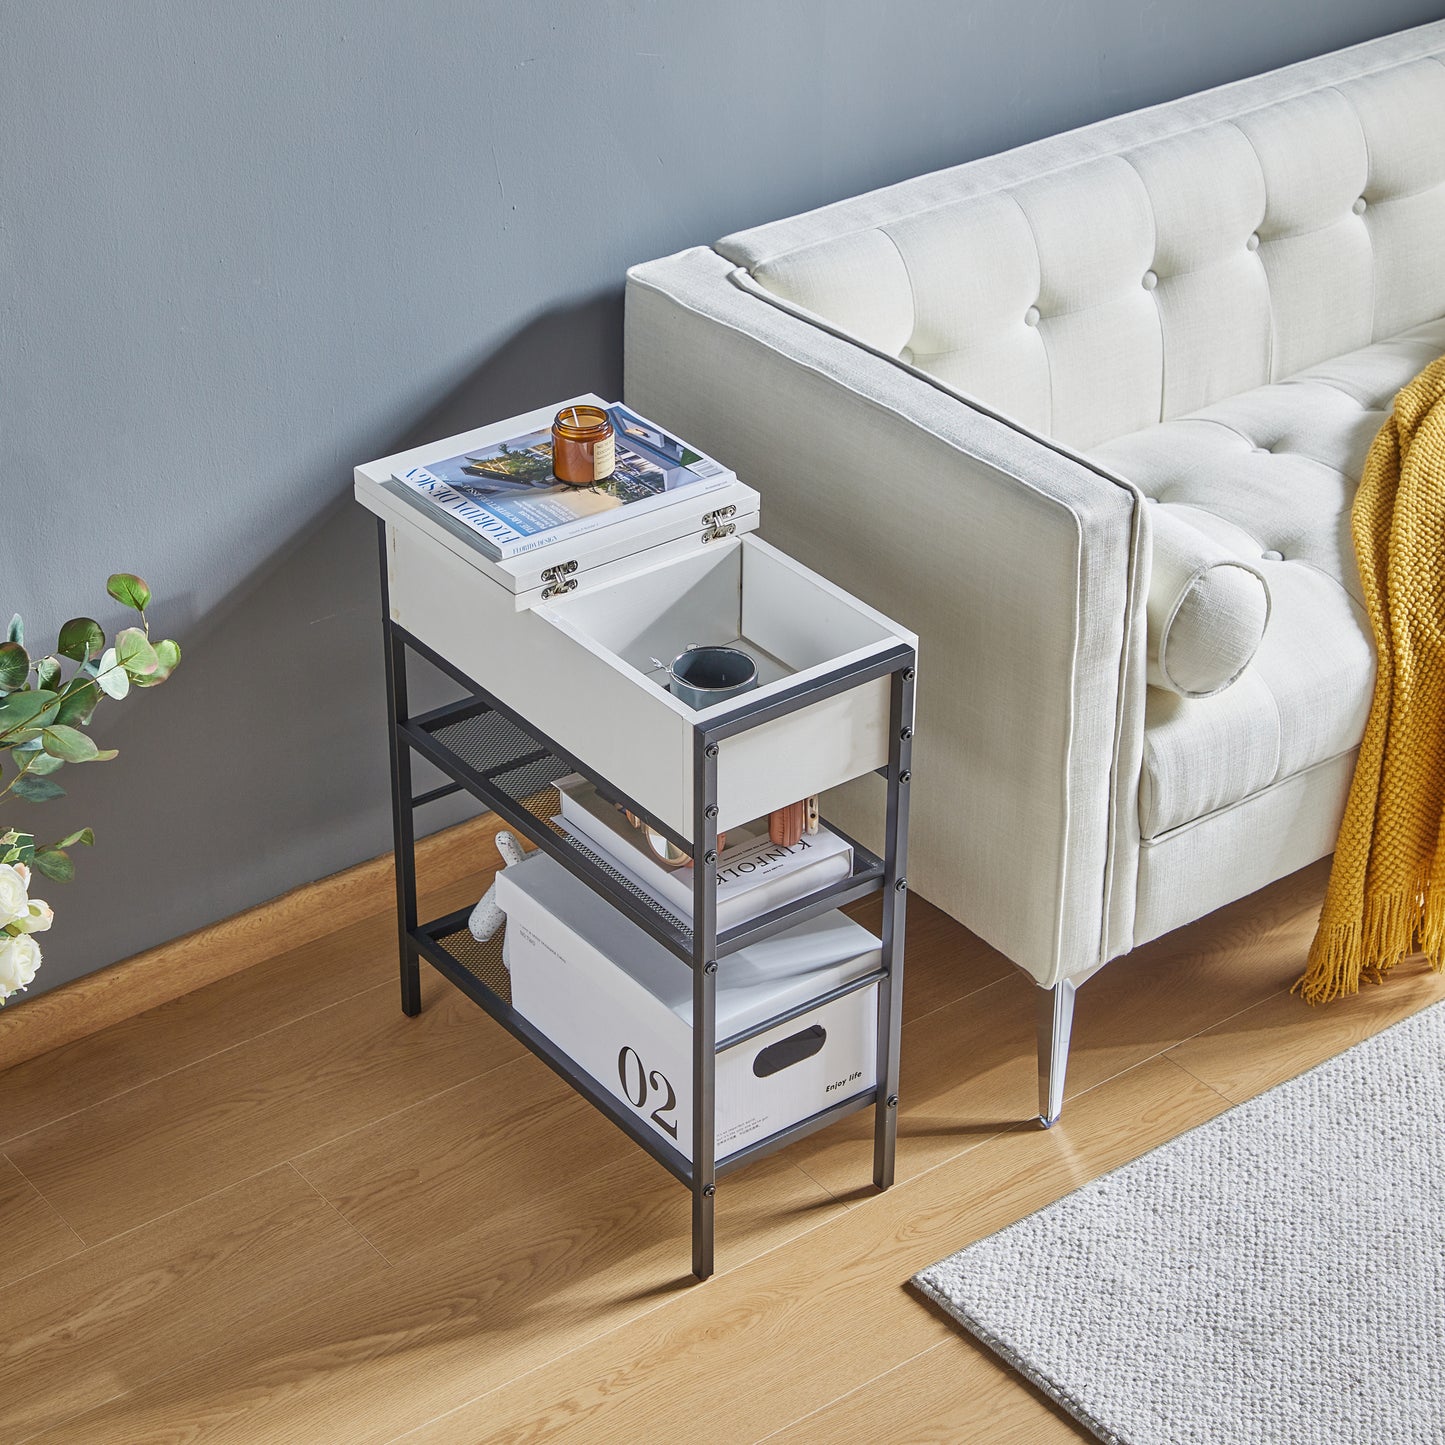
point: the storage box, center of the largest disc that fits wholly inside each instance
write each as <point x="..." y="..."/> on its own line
<point x="645" y="591"/>
<point x="620" y="1005"/>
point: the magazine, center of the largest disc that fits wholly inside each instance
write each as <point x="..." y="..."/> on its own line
<point x="506" y="498"/>
<point x="754" y="874"/>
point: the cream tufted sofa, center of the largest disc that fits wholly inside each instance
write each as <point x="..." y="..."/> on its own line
<point x="1089" y="416"/>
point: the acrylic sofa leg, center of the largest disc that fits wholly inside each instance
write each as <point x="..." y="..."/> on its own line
<point x="1056" y="1019"/>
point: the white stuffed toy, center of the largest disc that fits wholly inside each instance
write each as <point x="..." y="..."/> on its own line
<point x="486" y="917"/>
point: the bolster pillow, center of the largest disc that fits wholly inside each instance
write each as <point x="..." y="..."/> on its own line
<point x="1207" y="609"/>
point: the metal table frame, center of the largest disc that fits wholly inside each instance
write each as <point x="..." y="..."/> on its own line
<point x="700" y="946"/>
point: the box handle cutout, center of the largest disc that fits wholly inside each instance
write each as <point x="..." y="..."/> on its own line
<point x="787" y="1052"/>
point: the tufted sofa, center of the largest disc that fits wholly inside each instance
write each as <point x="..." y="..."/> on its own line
<point x="1089" y="416"/>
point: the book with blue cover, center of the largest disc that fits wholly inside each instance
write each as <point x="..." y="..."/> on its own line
<point x="508" y="501"/>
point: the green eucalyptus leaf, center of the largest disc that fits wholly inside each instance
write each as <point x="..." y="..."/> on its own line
<point x="113" y="679"/>
<point x="168" y="658"/>
<point x="136" y="655"/>
<point x="130" y="590"/>
<point x="47" y="673"/>
<point x="82" y="835"/>
<point x="34" y="706"/>
<point x="81" y="639"/>
<point x="36" y="790"/>
<point x="45" y="763"/>
<point x="16" y="630"/>
<point x="78" y="702"/>
<point x="54" y="863"/>
<point x="18" y="847"/>
<point x="14" y="665"/>
<point x="68" y="744"/>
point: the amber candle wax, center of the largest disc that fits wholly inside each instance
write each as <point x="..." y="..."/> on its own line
<point x="584" y="449"/>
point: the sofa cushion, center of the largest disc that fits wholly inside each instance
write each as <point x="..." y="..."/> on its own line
<point x="1207" y="609"/>
<point x="1270" y="475"/>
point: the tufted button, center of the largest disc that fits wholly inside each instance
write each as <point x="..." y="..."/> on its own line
<point x="1271" y="556"/>
<point x="1150" y="280"/>
<point x="1359" y="207"/>
<point x="1031" y="316"/>
<point x="1253" y="243"/>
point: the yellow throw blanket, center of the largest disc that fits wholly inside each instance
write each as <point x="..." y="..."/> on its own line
<point x="1386" y="897"/>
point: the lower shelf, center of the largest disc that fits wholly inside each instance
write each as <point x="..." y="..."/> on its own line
<point x="476" y="968"/>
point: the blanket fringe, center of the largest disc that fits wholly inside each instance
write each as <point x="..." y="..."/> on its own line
<point x="1395" y="925"/>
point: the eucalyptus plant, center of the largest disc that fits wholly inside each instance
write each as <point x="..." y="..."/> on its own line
<point x="46" y="704"/>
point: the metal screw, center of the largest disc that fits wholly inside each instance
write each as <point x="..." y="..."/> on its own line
<point x="905" y="733"/>
<point x="905" y="776"/>
<point x="711" y="750"/>
<point x="710" y="811"/>
<point x="892" y="1101"/>
<point x="901" y="886"/>
<point x="710" y="966"/>
<point x="710" y="856"/>
<point x="709" y="1190"/>
<point x="909" y="673"/>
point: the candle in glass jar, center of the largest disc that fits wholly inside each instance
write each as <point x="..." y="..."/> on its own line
<point x="584" y="448"/>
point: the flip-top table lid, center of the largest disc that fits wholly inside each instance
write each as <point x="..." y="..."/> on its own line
<point x="610" y="550"/>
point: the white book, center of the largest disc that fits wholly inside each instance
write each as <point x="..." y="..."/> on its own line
<point x="754" y="874"/>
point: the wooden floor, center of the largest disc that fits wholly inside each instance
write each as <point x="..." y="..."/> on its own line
<point x="276" y="1210"/>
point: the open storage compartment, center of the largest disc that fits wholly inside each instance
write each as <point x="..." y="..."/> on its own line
<point x="589" y="655"/>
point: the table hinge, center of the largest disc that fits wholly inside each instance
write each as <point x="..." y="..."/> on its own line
<point x="558" y="579"/>
<point x="717" y="524"/>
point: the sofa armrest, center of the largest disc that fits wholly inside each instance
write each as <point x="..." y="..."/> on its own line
<point x="1020" y="567"/>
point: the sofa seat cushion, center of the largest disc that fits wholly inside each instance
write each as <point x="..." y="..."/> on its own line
<point x="1270" y="474"/>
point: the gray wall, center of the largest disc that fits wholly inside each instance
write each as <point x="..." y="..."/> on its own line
<point x="246" y="245"/>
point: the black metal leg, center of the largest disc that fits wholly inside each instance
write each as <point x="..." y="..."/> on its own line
<point x="704" y="1001"/>
<point x="403" y="833"/>
<point x="895" y="895"/>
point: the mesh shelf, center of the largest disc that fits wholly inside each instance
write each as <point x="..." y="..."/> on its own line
<point x="482" y="960"/>
<point x="513" y="771"/>
<point x="482" y="743"/>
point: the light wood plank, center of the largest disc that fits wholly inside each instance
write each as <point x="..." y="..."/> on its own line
<point x="953" y="1392"/>
<point x="189" y="1133"/>
<point x="1284" y="1036"/>
<point x="32" y="1234"/>
<point x="312" y="911"/>
<point x="459" y="1159"/>
<point x="208" y="1020"/>
<point x="122" y="1313"/>
<point x="801" y="1326"/>
<point x="538" y="1279"/>
<point x="969" y="1068"/>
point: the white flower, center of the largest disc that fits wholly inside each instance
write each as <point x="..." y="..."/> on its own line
<point x="14" y="902"/>
<point x="40" y="917"/>
<point x="19" y="958"/>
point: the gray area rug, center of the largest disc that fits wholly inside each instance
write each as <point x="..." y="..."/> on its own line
<point x="1275" y="1275"/>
